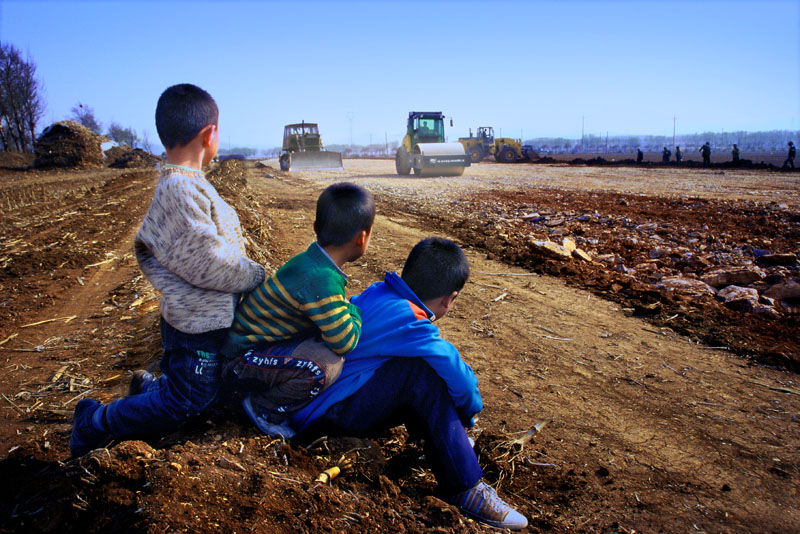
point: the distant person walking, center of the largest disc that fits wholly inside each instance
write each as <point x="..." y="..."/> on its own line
<point x="705" y="151"/>
<point x="678" y="154"/>
<point x="639" y="155"/>
<point x="735" y="154"/>
<point x="790" y="158"/>
<point x="665" y="155"/>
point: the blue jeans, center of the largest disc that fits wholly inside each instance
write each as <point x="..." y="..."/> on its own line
<point x="189" y="384"/>
<point x="408" y="391"/>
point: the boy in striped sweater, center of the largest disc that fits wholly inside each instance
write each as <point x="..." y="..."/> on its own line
<point x="290" y="334"/>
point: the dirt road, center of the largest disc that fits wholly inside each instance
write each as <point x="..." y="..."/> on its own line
<point x="648" y="431"/>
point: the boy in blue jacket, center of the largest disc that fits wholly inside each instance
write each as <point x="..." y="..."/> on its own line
<point x="403" y="372"/>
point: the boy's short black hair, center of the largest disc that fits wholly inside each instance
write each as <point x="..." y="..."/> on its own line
<point x="343" y="210"/>
<point x="182" y="111"/>
<point x="435" y="268"/>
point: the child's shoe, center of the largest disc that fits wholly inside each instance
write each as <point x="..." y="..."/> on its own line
<point x="139" y="382"/>
<point x="85" y="437"/>
<point x="271" y="429"/>
<point x="482" y="503"/>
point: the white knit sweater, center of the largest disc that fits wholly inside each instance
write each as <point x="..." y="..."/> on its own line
<point x="190" y="248"/>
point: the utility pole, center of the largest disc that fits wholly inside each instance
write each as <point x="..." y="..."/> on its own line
<point x="386" y="137"/>
<point x="350" y="118"/>
<point x="673" y="132"/>
<point x="581" y="132"/>
<point x="606" y="141"/>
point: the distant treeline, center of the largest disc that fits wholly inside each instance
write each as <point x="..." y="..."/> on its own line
<point x="772" y="141"/>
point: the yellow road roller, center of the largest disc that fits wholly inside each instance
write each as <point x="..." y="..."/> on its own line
<point x="424" y="151"/>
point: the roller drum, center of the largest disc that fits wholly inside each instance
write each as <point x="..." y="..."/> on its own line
<point x="440" y="159"/>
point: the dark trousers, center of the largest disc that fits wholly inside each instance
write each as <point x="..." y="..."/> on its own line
<point x="282" y="377"/>
<point x="408" y="391"/>
<point x="789" y="162"/>
<point x="189" y="384"/>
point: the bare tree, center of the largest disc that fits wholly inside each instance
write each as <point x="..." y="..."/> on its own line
<point x="123" y="136"/>
<point x="85" y="115"/>
<point x="146" y="142"/>
<point x="21" y="102"/>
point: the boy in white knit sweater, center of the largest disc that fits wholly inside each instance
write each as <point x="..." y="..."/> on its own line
<point x="190" y="248"/>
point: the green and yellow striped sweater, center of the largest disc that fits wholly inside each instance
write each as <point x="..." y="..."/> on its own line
<point x="303" y="298"/>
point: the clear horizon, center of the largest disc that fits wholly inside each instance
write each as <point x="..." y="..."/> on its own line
<point x="530" y="69"/>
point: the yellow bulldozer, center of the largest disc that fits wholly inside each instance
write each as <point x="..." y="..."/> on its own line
<point x="504" y="149"/>
<point x="302" y="149"/>
<point x="424" y="151"/>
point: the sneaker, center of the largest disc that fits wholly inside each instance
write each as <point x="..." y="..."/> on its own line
<point x="270" y="429"/>
<point x="483" y="504"/>
<point x="139" y="382"/>
<point x="85" y="437"/>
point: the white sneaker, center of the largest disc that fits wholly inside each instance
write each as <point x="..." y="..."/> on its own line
<point x="483" y="504"/>
<point x="270" y="429"/>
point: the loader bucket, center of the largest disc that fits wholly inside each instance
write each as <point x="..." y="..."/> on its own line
<point x="300" y="161"/>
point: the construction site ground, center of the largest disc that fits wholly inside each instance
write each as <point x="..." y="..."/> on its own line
<point x="681" y="417"/>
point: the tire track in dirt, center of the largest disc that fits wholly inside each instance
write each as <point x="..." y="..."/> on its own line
<point x="49" y="363"/>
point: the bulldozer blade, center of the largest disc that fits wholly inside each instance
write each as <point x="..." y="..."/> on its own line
<point x="300" y="161"/>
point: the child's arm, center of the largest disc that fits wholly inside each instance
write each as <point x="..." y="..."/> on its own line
<point x="338" y="321"/>
<point x="196" y="251"/>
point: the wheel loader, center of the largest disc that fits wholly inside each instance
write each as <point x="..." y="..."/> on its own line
<point x="504" y="149"/>
<point x="302" y="149"/>
<point x="424" y="151"/>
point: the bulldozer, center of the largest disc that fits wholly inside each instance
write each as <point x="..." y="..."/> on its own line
<point x="423" y="148"/>
<point x="504" y="149"/>
<point x="302" y="149"/>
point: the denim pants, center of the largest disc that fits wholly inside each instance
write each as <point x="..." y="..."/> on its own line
<point x="189" y="384"/>
<point x="408" y="391"/>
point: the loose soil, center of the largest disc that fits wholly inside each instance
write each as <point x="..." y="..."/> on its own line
<point x="659" y="418"/>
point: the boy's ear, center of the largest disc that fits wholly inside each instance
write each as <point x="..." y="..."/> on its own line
<point x="207" y="133"/>
<point x="361" y="238"/>
<point x="449" y="299"/>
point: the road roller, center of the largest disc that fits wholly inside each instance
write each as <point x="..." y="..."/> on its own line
<point x="424" y="151"/>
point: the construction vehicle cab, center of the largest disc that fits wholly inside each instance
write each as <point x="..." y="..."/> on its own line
<point x="424" y="150"/>
<point x="504" y="149"/>
<point x="303" y="149"/>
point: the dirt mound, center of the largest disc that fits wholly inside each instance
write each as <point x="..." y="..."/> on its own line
<point x="15" y="160"/>
<point x="125" y="157"/>
<point x="67" y="144"/>
<point x="229" y="178"/>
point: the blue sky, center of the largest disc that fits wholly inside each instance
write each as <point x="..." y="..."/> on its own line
<point x="532" y="69"/>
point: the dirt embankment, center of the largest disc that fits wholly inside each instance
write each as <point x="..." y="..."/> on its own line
<point x="647" y="430"/>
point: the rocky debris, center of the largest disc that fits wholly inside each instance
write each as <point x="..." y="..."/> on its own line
<point x="551" y="249"/>
<point x="67" y="144"/>
<point x="696" y="256"/>
<point x="737" y="275"/>
<point x="777" y="259"/>
<point x="739" y="298"/>
<point x="787" y="291"/>
<point x="687" y="286"/>
<point x="125" y="157"/>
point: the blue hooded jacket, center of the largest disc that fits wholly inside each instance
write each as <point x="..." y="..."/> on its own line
<point x="395" y="323"/>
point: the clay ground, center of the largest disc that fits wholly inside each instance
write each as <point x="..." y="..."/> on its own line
<point x="656" y="422"/>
